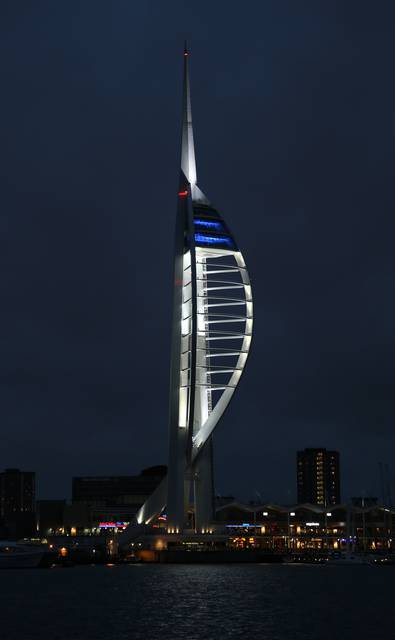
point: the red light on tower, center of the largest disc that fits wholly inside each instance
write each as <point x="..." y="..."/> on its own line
<point x="183" y="194"/>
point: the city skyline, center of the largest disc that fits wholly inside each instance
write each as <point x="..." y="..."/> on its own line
<point x="310" y="462"/>
<point x="90" y="158"/>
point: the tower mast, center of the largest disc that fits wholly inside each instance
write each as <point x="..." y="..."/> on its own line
<point x="211" y="337"/>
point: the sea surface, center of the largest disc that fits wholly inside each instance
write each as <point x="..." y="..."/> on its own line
<point x="210" y="602"/>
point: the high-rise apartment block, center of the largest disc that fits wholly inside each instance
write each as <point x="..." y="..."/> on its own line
<point x="318" y="476"/>
<point x="18" y="502"/>
<point x="17" y="492"/>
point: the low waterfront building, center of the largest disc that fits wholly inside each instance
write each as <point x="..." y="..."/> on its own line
<point x="271" y="530"/>
<point x="50" y="516"/>
<point x="306" y="527"/>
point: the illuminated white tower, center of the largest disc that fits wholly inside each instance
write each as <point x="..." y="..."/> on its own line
<point x="212" y="328"/>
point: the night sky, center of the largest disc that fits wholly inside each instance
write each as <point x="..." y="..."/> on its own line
<point x="293" y="106"/>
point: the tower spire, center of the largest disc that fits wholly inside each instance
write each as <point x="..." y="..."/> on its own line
<point x="202" y="312"/>
<point x="188" y="164"/>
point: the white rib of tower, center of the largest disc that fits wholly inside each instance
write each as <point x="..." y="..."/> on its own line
<point x="217" y="323"/>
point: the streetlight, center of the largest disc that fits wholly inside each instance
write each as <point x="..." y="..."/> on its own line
<point x="292" y="515"/>
<point x="327" y="515"/>
<point x="363" y="526"/>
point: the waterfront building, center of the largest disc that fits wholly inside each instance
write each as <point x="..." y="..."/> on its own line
<point x="56" y="517"/>
<point x="50" y="516"/>
<point x="78" y="518"/>
<point x="116" y="498"/>
<point x="318" y="476"/>
<point x="17" y="502"/>
<point x="212" y="328"/>
<point x="300" y="528"/>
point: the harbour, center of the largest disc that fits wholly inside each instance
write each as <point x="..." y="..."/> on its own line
<point x="276" y="602"/>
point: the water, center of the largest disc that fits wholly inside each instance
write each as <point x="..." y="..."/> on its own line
<point x="210" y="602"/>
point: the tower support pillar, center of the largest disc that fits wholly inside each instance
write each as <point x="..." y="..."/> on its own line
<point x="204" y="488"/>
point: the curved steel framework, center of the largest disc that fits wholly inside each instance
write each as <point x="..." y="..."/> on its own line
<point x="212" y="329"/>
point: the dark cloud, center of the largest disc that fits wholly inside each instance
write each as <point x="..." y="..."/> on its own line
<point x="294" y="117"/>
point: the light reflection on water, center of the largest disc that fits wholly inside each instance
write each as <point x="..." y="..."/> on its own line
<point x="264" y="602"/>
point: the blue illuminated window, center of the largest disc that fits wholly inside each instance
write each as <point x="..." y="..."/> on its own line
<point x="208" y="224"/>
<point x="213" y="239"/>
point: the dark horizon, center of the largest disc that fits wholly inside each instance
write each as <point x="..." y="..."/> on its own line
<point x="293" y="113"/>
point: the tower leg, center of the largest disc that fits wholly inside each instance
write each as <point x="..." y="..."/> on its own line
<point x="204" y="488"/>
<point x="177" y="484"/>
<point x="177" y="423"/>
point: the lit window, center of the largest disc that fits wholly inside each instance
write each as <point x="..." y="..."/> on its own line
<point x="201" y="239"/>
<point x="208" y="224"/>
